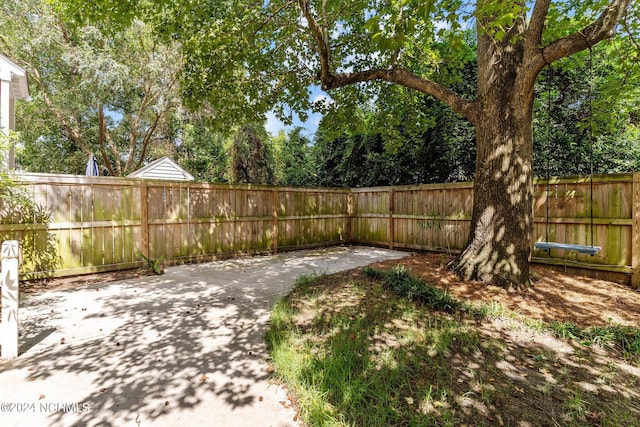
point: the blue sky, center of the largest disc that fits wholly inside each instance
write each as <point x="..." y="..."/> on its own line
<point x="310" y="126"/>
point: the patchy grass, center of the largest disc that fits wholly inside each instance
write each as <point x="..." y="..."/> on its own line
<point x="384" y="348"/>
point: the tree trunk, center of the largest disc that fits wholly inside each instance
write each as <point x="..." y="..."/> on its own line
<point x="499" y="246"/>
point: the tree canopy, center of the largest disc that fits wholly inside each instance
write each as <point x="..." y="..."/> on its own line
<point x="266" y="55"/>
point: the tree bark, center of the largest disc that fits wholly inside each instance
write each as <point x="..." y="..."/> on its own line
<point x="499" y="245"/>
<point x="498" y="249"/>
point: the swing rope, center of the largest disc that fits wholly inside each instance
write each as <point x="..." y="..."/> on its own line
<point x="590" y="136"/>
<point x="548" y="149"/>
<point x="547" y="245"/>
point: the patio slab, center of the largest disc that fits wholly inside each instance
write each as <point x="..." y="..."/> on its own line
<point x="184" y="348"/>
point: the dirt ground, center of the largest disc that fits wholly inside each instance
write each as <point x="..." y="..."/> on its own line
<point x="41" y="285"/>
<point x="555" y="295"/>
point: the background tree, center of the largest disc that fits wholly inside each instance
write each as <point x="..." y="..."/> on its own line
<point x="203" y="150"/>
<point x="113" y="95"/>
<point x="251" y="156"/>
<point x="567" y="124"/>
<point x="295" y="161"/>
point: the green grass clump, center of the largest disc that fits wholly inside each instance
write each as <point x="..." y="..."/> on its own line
<point x="356" y="363"/>
<point x="625" y="338"/>
<point x="400" y="281"/>
<point x="354" y="353"/>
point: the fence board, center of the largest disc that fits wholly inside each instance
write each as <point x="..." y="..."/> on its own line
<point x="104" y="223"/>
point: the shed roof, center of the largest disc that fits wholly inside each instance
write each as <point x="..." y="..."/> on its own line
<point x="12" y="72"/>
<point x="163" y="168"/>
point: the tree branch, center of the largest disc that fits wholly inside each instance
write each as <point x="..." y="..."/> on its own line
<point x="399" y="76"/>
<point x="323" y="47"/>
<point x="533" y="35"/>
<point x="114" y="149"/>
<point x="147" y="139"/>
<point x="101" y="132"/>
<point x="72" y="133"/>
<point x="273" y="15"/>
<point x="601" y="29"/>
<point x="407" y="79"/>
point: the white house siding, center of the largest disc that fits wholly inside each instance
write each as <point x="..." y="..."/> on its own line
<point x="13" y="85"/>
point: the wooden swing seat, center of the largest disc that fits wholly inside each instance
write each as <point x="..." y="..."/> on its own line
<point x="547" y="246"/>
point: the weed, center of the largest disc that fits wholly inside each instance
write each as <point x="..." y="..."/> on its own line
<point x="400" y="281"/>
<point x="154" y="265"/>
<point x="576" y="407"/>
<point x="564" y="330"/>
<point x="626" y="338"/>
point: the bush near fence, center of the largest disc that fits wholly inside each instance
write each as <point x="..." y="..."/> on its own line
<point x="103" y="224"/>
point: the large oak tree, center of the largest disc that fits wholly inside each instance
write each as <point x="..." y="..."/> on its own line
<point x="247" y="57"/>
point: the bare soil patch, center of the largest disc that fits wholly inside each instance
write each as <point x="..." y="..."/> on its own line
<point x="54" y="283"/>
<point x="555" y="296"/>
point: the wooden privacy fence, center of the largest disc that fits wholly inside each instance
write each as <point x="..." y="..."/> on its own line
<point x="101" y="224"/>
<point x="438" y="217"/>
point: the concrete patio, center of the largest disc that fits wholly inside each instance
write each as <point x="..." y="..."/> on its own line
<point x="184" y="348"/>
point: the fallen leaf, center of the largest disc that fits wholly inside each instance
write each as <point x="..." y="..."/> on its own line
<point x="203" y="378"/>
<point x="41" y="397"/>
<point x="260" y="399"/>
<point x="103" y="389"/>
<point x="166" y="403"/>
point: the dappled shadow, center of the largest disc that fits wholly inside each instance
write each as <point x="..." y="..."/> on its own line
<point x="460" y="371"/>
<point x="163" y="349"/>
<point x="175" y="348"/>
<point x="23" y="219"/>
<point x="555" y="296"/>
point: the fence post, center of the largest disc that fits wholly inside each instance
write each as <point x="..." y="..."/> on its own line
<point x="350" y="212"/>
<point x="635" y="233"/>
<point x="274" y="213"/>
<point x="10" y="300"/>
<point x="391" y="231"/>
<point x="144" y="218"/>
